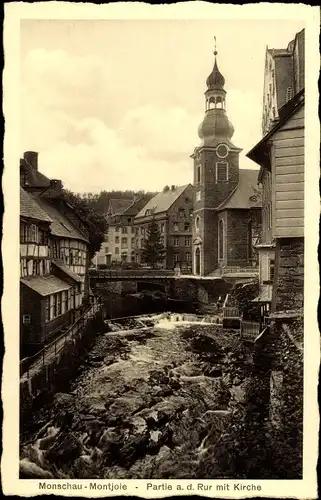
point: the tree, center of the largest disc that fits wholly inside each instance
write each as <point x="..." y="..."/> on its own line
<point x="95" y="220"/>
<point x="153" y="251"/>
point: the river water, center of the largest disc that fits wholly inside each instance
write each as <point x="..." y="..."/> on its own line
<point x="151" y="401"/>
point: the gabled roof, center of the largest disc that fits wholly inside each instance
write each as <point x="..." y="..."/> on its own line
<point x="118" y="205"/>
<point x="246" y="194"/>
<point x="45" y="285"/>
<point x="163" y="201"/>
<point x="137" y="206"/>
<point x="60" y="225"/>
<point x="260" y="152"/>
<point x="29" y="208"/>
<point x="33" y="178"/>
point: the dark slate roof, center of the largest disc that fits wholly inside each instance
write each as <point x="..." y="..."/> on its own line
<point x="246" y="194"/>
<point x="30" y="208"/>
<point x="60" y="225"/>
<point x="118" y="205"/>
<point x="163" y="201"/>
<point x="45" y="285"/>
<point x="33" y="177"/>
<point x="66" y="270"/>
<point x="137" y="206"/>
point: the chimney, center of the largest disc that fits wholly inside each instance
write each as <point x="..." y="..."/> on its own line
<point x="55" y="188"/>
<point x="173" y="187"/>
<point x="166" y="188"/>
<point x="31" y="158"/>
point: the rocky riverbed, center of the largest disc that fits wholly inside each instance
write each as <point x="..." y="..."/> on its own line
<point x="150" y="402"/>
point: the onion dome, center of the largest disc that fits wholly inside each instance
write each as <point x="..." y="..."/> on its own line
<point x="215" y="81"/>
<point x="215" y="124"/>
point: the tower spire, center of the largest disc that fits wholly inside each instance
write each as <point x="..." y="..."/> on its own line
<point x="215" y="51"/>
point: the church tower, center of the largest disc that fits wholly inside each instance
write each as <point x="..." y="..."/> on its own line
<point x="216" y="173"/>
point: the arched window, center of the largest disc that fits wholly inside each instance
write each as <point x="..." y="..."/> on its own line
<point x="221" y="240"/>
<point x="197" y="223"/>
<point x="198" y="174"/>
<point x="211" y="103"/>
<point x="197" y="261"/>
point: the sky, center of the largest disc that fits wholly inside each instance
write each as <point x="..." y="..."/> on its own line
<point x="116" y="104"/>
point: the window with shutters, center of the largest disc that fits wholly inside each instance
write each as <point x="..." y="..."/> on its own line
<point x="221" y="171"/>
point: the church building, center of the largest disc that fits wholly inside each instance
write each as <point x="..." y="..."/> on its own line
<point x="227" y="200"/>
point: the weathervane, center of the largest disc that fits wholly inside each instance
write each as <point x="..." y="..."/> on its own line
<point x="215" y="51"/>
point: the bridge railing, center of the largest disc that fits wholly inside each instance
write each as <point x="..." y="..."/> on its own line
<point x="238" y="269"/>
<point x="130" y="273"/>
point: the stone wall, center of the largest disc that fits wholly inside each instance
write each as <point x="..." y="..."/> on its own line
<point x="288" y="289"/>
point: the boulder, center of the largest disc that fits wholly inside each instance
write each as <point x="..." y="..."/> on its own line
<point x="29" y="470"/>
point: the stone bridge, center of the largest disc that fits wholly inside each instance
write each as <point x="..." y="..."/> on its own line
<point x="176" y="285"/>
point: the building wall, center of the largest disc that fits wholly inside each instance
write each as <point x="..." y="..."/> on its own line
<point x="31" y="304"/>
<point x="270" y="105"/>
<point x="288" y="178"/>
<point x="298" y="62"/>
<point x="212" y="193"/>
<point x="176" y="236"/>
<point x="209" y="240"/>
<point x="238" y="238"/>
<point x="266" y="235"/>
<point x="209" y="193"/>
<point x="288" y="290"/>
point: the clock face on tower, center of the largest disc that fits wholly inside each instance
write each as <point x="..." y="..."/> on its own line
<point x="222" y="150"/>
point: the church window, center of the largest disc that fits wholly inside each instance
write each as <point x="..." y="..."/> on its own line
<point x="197" y="223"/>
<point x="198" y="174"/>
<point x="221" y="171"/>
<point x="222" y="150"/>
<point x="221" y="239"/>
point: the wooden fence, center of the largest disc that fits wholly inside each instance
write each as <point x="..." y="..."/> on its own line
<point x="231" y="312"/>
<point x="249" y="329"/>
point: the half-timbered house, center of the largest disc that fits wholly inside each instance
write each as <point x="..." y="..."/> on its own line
<point x="54" y="258"/>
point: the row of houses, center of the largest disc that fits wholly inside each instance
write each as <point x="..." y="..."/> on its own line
<point x="54" y="258"/>
<point x="128" y="222"/>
